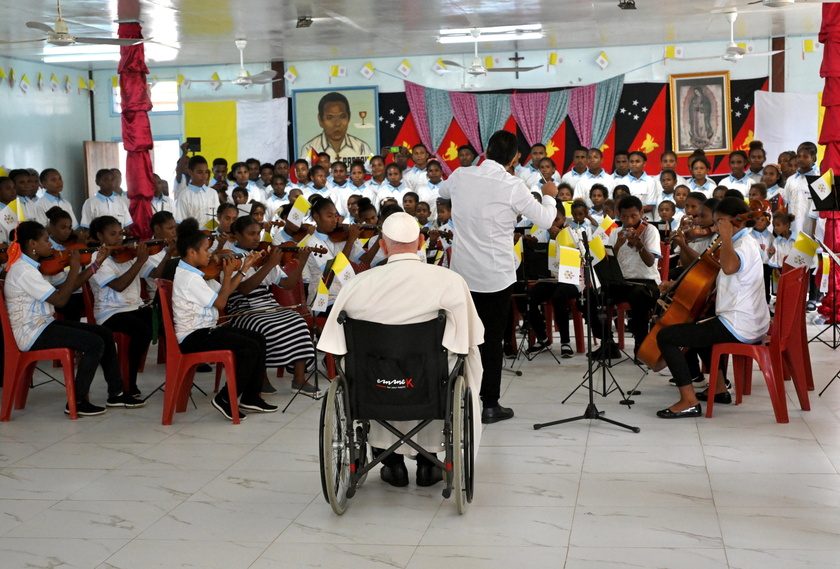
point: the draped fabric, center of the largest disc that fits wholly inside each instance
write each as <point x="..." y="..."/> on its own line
<point x="830" y="136"/>
<point x="607" y="96"/>
<point x="465" y="111"/>
<point x="136" y="130"/>
<point x="529" y="111"/>
<point x="555" y="113"/>
<point x="416" y="95"/>
<point x="439" y="112"/>
<point x="581" y="110"/>
<point x="493" y="113"/>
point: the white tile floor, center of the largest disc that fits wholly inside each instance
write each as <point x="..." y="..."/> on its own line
<point x="123" y="491"/>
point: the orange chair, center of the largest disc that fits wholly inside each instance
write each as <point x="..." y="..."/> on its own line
<point x="122" y="340"/>
<point x="771" y="359"/>
<point x="577" y="322"/>
<point x="180" y="368"/>
<point x="18" y="368"/>
<point x="664" y="262"/>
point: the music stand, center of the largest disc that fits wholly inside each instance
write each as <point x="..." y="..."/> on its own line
<point x="591" y="411"/>
<point x="825" y="199"/>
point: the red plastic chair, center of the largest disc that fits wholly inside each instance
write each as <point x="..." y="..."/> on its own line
<point x="577" y="322"/>
<point x="664" y="262"/>
<point x="18" y="368"/>
<point x="770" y="359"/>
<point x="797" y="348"/>
<point x="180" y="368"/>
<point x="123" y="341"/>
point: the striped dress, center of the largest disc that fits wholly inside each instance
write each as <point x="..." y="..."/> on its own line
<point x="286" y="333"/>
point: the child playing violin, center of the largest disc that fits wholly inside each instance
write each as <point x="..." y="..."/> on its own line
<point x="740" y="307"/>
<point x="226" y="214"/>
<point x="30" y="299"/>
<point x="288" y="343"/>
<point x="163" y="229"/>
<point x="195" y="306"/>
<point x="60" y="230"/>
<point x="117" y="303"/>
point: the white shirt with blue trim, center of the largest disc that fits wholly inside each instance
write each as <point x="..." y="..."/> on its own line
<point x="741" y="305"/>
<point x="192" y="301"/>
<point x="26" y="296"/>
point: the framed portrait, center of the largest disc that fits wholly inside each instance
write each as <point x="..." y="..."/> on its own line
<point x="701" y="113"/>
<point x="344" y="123"/>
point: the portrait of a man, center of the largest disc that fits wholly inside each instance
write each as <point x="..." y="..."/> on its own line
<point x="345" y="123"/>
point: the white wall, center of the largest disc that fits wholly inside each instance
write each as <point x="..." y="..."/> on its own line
<point x="802" y="70"/>
<point x="42" y="129"/>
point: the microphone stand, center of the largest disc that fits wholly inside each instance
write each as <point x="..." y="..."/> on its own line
<point x="591" y="411"/>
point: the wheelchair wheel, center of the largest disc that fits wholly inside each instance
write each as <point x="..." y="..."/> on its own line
<point x="363" y="451"/>
<point x="462" y="443"/>
<point x="335" y="447"/>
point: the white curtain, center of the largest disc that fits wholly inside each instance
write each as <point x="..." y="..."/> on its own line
<point x="262" y="129"/>
<point x="783" y="120"/>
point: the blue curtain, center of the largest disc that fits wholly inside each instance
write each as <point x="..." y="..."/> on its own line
<point x="607" y="95"/>
<point x="555" y="114"/>
<point x="493" y="113"/>
<point x="439" y="112"/>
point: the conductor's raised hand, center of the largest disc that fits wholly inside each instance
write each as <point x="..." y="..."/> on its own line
<point x="549" y="189"/>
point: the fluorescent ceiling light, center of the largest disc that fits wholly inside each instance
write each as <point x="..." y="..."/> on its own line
<point x="80" y="57"/>
<point x="496" y="33"/>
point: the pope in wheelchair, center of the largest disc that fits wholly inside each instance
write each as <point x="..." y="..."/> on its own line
<point x="406" y="336"/>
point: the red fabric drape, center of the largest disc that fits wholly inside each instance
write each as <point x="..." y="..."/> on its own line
<point x="136" y="130"/>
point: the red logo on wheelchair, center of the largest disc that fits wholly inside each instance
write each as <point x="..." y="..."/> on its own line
<point x="395" y="383"/>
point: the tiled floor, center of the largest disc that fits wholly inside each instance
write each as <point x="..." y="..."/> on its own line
<point x="122" y="491"/>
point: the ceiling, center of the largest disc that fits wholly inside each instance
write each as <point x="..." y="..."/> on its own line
<point x="194" y="32"/>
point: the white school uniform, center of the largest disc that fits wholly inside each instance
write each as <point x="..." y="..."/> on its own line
<point x="26" y="296"/>
<point x="197" y="202"/>
<point x="707" y="188"/>
<point x="588" y="179"/>
<point x="414" y="177"/>
<point x="154" y="261"/>
<point x="632" y="266"/>
<point x="765" y="241"/>
<point x="618" y="179"/>
<point x="46" y="203"/>
<point x="28" y="205"/>
<point x="100" y="205"/>
<point x="644" y="188"/>
<point x="571" y="177"/>
<point x="798" y="197"/>
<point x="389" y="191"/>
<point x="255" y="193"/>
<point x="316" y="263"/>
<point x="163" y="203"/>
<point x="741" y="305"/>
<point x="783" y="246"/>
<point x="106" y="300"/>
<point x="192" y="301"/>
<point x="340" y="193"/>
<point x="743" y="185"/>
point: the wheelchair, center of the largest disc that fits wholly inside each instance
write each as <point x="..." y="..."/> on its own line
<point x="394" y="373"/>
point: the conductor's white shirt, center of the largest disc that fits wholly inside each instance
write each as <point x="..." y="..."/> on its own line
<point x="485" y="203"/>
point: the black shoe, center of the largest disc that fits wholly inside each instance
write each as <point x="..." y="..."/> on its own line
<point x="539" y="347"/>
<point x="259" y="405"/>
<point x="223" y="406"/>
<point x="566" y="351"/>
<point x="204" y="368"/>
<point x="267" y="388"/>
<point x="510" y="354"/>
<point x="666" y="413"/>
<point x="428" y="475"/>
<point x="496" y="414"/>
<point x="395" y="475"/>
<point x="724" y="398"/>
<point x="135" y="391"/>
<point x="85" y="409"/>
<point x="125" y="400"/>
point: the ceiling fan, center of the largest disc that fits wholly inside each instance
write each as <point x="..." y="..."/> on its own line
<point x="243" y="78"/>
<point x="477" y="68"/>
<point x="59" y="35"/>
<point x="733" y="52"/>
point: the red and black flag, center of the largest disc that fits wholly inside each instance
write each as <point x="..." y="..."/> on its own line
<point x="396" y="126"/>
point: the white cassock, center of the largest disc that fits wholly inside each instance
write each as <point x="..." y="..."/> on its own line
<point x="407" y="291"/>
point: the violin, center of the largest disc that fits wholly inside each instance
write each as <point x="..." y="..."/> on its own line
<point x="690" y="230"/>
<point x="127" y="250"/>
<point x="214" y="268"/>
<point x="290" y="251"/>
<point x="340" y="234"/>
<point x="441" y="233"/>
<point x="267" y="225"/>
<point x="304" y="230"/>
<point x="60" y="260"/>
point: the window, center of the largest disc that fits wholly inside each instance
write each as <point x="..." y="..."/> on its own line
<point x="164" y="98"/>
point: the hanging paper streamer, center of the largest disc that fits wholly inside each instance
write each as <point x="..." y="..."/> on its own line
<point x="24" y="84"/>
<point x="439" y="67"/>
<point x="554" y="60"/>
<point x="68" y="85"/>
<point x="12" y="79"/>
<point x="404" y="68"/>
<point x="367" y="70"/>
<point x="602" y="61"/>
<point x="290" y="75"/>
<point x="40" y="81"/>
<point x="216" y="82"/>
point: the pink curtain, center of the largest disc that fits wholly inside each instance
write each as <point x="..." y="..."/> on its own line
<point x="465" y="111"/>
<point x="529" y="111"/>
<point x="830" y="136"/>
<point x="581" y="105"/>
<point x="416" y="95"/>
<point x="136" y="130"/>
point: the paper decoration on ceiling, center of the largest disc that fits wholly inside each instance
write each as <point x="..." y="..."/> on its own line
<point x="554" y="61"/>
<point x="439" y="67"/>
<point x="404" y="68"/>
<point x="24" y="84"/>
<point x="291" y="75"/>
<point x="40" y="81"/>
<point x="367" y="70"/>
<point x="338" y="71"/>
<point x="602" y="61"/>
<point x="216" y="82"/>
<point x="672" y="51"/>
<point x="53" y="83"/>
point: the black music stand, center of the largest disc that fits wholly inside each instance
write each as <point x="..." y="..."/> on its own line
<point x="591" y="411"/>
<point x="827" y="202"/>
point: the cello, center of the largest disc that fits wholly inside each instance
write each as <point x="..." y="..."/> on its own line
<point x="688" y="298"/>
